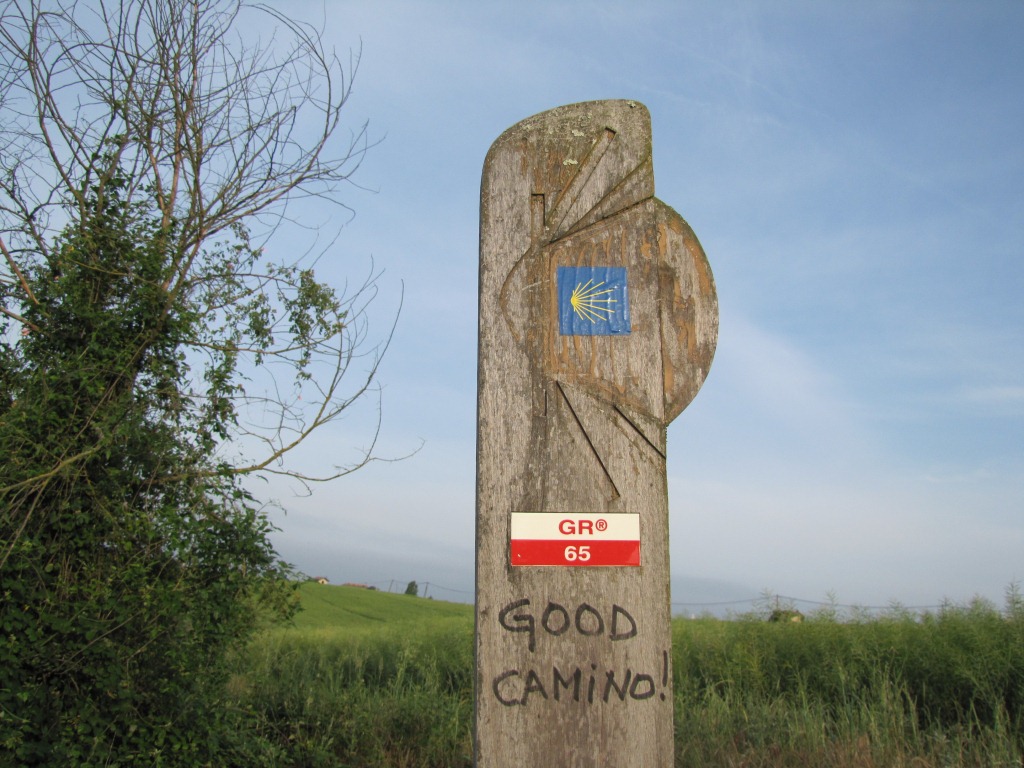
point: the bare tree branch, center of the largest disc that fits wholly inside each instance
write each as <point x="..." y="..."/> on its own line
<point x="161" y="105"/>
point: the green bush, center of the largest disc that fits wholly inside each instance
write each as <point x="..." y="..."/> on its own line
<point x="143" y="334"/>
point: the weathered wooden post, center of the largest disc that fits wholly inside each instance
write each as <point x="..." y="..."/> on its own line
<point x="598" y="322"/>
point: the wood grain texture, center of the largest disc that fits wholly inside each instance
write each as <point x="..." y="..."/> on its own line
<point x="572" y="663"/>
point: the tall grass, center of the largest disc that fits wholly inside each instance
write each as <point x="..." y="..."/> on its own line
<point x="944" y="690"/>
<point x="391" y="698"/>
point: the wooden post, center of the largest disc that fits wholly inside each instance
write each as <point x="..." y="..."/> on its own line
<point x="598" y="323"/>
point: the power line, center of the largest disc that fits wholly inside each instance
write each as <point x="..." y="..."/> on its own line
<point x="390" y="585"/>
<point x="805" y="601"/>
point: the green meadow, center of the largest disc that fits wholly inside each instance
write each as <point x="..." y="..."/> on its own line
<point x="364" y="678"/>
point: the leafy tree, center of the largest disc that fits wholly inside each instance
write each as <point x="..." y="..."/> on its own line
<point x="151" y="357"/>
<point x="412" y="588"/>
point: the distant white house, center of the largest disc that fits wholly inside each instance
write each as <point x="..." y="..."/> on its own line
<point x="320" y="579"/>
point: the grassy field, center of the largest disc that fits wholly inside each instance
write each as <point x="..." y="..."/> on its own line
<point x="352" y="611"/>
<point x="361" y="678"/>
<point x="365" y="678"/>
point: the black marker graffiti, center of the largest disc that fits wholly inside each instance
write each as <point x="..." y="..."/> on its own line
<point x="556" y="620"/>
<point x="515" y="687"/>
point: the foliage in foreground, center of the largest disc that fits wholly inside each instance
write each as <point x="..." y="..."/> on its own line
<point x="943" y="690"/>
<point x="150" y="357"/>
<point x="131" y="564"/>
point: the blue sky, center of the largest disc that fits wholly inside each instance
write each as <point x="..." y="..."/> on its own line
<point x="855" y="173"/>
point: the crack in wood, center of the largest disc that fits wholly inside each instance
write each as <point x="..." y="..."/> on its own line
<point x="646" y="439"/>
<point x="586" y="435"/>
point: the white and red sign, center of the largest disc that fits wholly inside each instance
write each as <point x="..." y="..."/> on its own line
<point x="565" y="538"/>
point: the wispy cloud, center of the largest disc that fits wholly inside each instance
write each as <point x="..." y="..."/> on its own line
<point x="1007" y="395"/>
<point x="854" y="173"/>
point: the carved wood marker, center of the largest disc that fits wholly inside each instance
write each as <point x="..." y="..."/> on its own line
<point x="598" y="323"/>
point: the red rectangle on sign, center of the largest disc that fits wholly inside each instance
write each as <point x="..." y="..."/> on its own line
<point x="577" y="552"/>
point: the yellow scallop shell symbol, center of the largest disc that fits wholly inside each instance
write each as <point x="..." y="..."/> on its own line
<point x="592" y="302"/>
